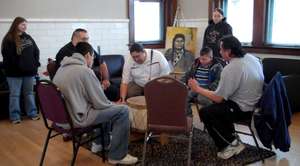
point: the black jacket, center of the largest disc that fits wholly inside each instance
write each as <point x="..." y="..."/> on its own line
<point x="22" y="65"/>
<point x="68" y="50"/>
<point x="213" y="33"/>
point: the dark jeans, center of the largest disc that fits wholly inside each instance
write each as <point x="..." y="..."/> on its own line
<point x="218" y="119"/>
<point x="112" y="92"/>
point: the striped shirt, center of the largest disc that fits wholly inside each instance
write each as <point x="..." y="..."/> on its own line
<point x="201" y="75"/>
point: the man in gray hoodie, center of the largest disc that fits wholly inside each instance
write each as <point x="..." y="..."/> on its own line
<point x="88" y="105"/>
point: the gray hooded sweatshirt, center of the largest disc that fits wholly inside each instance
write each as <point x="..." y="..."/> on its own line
<point x="82" y="90"/>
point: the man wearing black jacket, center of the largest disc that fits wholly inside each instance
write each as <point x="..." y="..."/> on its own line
<point x="99" y="66"/>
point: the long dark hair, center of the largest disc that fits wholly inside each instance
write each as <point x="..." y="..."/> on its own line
<point x="232" y="43"/>
<point x="12" y="34"/>
<point x="178" y="35"/>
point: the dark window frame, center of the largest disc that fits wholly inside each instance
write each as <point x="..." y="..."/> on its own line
<point x="169" y="10"/>
<point x="259" y="43"/>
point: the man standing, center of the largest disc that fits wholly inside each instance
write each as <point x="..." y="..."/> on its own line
<point x="142" y="66"/>
<point x="81" y="35"/>
<point x="88" y="105"/>
<point x="239" y="90"/>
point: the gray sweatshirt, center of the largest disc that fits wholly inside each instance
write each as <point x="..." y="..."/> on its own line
<point x="82" y="90"/>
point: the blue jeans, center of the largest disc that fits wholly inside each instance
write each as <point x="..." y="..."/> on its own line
<point x="15" y="84"/>
<point x="118" y="116"/>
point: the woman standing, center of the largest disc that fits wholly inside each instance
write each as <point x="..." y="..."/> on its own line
<point x="217" y="28"/>
<point x="21" y="61"/>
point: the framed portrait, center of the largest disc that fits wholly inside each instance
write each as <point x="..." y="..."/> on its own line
<point x="190" y="34"/>
<point x="180" y="48"/>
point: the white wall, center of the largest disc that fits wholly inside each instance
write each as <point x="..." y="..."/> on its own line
<point x="51" y="34"/>
<point x="51" y="22"/>
<point x="79" y="9"/>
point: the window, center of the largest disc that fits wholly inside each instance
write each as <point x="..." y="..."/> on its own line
<point x="263" y="26"/>
<point x="240" y="16"/>
<point x="148" y="21"/>
<point x="282" y="28"/>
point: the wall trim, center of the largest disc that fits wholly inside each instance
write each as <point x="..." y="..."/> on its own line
<point x="194" y="20"/>
<point x="67" y="20"/>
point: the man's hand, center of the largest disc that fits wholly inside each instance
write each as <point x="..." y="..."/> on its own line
<point x="193" y="84"/>
<point x="105" y="84"/>
<point x="121" y="101"/>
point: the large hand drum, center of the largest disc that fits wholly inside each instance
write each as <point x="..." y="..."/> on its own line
<point x="138" y="113"/>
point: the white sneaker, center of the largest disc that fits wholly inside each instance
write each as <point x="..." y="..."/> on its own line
<point x="96" y="148"/>
<point x="234" y="148"/>
<point x="127" y="160"/>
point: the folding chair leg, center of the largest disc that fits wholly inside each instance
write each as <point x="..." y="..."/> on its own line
<point x="144" y="148"/>
<point x="45" y="147"/>
<point x="257" y="146"/>
<point x="103" y="144"/>
<point x="190" y="148"/>
<point x="76" y="146"/>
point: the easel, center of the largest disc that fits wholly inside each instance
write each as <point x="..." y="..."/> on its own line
<point x="178" y="15"/>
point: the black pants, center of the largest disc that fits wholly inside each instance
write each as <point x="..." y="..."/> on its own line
<point x="112" y="92"/>
<point x="218" y="119"/>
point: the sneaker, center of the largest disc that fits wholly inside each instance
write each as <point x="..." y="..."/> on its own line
<point x="17" y="121"/>
<point x="35" y="118"/>
<point x="234" y="148"/>
<point x="127" y="160"/>
<point x="96" y="148"/>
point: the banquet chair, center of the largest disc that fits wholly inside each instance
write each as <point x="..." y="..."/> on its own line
<point x="58" y="121"/>
<point x="166" y="111"/>
<point x="247" y="123"/>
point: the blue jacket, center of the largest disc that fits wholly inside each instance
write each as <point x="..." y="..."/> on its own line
<point x="274" y="117"/>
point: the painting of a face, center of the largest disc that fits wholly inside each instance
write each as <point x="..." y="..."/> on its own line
<point x="179" y="43"/>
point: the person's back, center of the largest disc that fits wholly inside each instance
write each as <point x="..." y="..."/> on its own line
<point x="75" y="80"/>
<point x="249" y="76"/>
<point x="88" y="105"/>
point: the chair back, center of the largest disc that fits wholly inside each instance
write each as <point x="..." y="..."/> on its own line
<point x="52" y="104"/>
<point x="114" y="64"/>
<point x="166" y="105"/>
<point x="51" y="68"/>
<point x="285" y="66"/>
<point x="292" y="83"/>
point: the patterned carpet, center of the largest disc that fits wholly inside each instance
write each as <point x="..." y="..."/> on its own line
<point x="203" y="152"/>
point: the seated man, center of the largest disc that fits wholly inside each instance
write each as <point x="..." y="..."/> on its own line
<point x="81" y="35"/>
<point x="88" y="105"/>
<point x="207" y="72"/>
<point x="142" y="66"/>
<point x="239" y="90"/>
